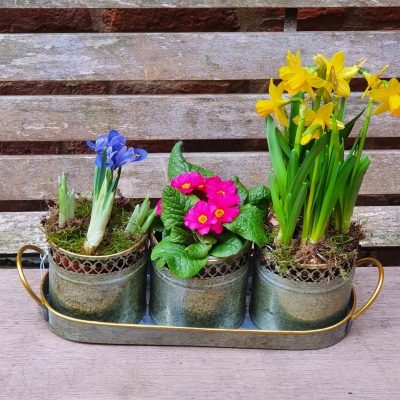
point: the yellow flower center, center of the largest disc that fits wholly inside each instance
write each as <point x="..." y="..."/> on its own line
<point x="219" y="213"/>
<point x="221" y="192"/>
<point x="202" y="218"/>
<point x="186" y="186"/>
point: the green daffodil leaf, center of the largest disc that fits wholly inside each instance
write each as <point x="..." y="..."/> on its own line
<point x="175" y="206"/>
<point x="249" y="225"/>
<point x="177" y="258"/>
<point x="178" y="165"/>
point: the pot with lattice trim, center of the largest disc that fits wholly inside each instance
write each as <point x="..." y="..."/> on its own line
<point x="200" y="263"/>
<point x="108" y="288"/>
<point x="303" y="297"/>
<point x="214" y="298"/>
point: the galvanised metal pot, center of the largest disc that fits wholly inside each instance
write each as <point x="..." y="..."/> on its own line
<point x="215" y="298"/>
<point x="108" y="288"/>
<point x="303" y="298"/>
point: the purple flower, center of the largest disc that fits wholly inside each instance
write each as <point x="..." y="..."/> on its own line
<point x="115" y="140"/>
<point x="117" y="153"/>
<point x="109" y="162"/>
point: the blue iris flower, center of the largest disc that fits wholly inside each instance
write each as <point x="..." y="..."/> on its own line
<point x="117" y="153"/>
<point x="115" y="140"/>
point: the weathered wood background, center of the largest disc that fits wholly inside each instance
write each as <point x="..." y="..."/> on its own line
<point x="194" y="3"/>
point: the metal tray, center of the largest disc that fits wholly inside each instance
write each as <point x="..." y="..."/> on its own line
<point x="146" y="333"/>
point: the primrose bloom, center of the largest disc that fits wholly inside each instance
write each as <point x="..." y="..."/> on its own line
<point x="215" y="186"/>
<point x="298" y="78"/>
<point x="226" y="210"/>
<point x="342" y="74"/>
<point x="158" y="207"/>
<point x="201" y="217"/>
<point x="275" y="105"/>
<point x="389" y="96"/>
<point x="187" y="182"/>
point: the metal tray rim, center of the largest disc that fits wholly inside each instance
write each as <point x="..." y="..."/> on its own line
<point x="47" y="306"/>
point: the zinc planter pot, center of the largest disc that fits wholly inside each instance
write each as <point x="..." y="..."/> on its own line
<point x="303" y="298"/>
<point x="108" y="288"/>
<point x="215" y="298"/>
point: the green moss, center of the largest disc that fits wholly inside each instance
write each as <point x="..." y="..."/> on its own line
<point x="335" y="249"/>
<point x="72" y="237"/>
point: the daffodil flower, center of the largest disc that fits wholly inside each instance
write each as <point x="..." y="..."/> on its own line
<point x="343" y="74"/>
<point x="298" y="79"/>
<point x="275" y="105"/>
<point x="389" y="96"/>
<point x="316" y="122"/>
<point x="372" y="79"/>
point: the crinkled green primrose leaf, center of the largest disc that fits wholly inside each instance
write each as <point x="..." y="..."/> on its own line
<point x="177" y="258"/>
<point x="181" y="236"/>
<point x="249" y="225"/>
<point x="198" y="250"/>
<point x="260" y="196"/>
<point x="175" y="206"/>
<point x="177" y="164"/>
<point x="229" y="245"/>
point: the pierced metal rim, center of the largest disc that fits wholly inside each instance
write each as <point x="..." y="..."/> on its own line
<point x="104" y="257"/>
<point x="213" y="259"/>
<point x="310" y="266"/>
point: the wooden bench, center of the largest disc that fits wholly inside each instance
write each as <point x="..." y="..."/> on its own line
<point x="36" y="362"/>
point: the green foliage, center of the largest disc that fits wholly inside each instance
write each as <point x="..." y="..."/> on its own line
<point x="178" y="165"/>
<point x="185" y="251"/>
<point x="175" y="206"/>
<point x="72" y="236"/>
<point x="179" y="261"/>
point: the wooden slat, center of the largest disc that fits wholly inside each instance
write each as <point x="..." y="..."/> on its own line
<point x="181" y="56"/>
<point x="36" y="363"/>
<point x="192" y="3"/>
<point x="18" y="229"/>
<point x="146" y="117"/>
<point x="32" y="177"/>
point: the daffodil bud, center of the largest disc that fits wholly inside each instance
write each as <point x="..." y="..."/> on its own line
<point x="320" y="66"/>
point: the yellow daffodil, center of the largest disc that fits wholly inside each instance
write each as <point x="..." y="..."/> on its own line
<point x="343" y="74"/>
<point x="389" y="96"/>
<point x="298" y="78"/>
<point x="275" y="105"/>
<point x="372" y="79"/>
<point x="322" y="118"/>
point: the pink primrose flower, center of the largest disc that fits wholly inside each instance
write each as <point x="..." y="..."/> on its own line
<point x="216" y="186"/>
<point x="201" y="217"/>
<point x="187" y="181"/>
<point x="158" y="208"/>
<point x="226" y="210"/>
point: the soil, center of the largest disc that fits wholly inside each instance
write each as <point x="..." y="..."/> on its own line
<point x="334" y="249"/>
<point x="72" y="236"/>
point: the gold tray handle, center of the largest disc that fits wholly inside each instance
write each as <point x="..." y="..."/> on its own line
<point x="21" y="272"/>
<point x="378" y="286"/>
